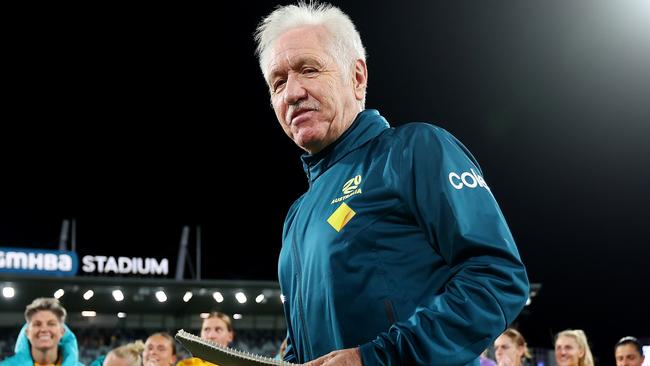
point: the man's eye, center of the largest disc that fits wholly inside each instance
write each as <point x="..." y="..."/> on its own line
<point x="278" y="84"/>
<point x="309" y="70"/>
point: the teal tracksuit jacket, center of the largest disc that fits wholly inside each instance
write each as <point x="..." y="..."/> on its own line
<point x="399" y="248"/>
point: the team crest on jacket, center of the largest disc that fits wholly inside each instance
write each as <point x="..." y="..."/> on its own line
<point x="350" y="188"/>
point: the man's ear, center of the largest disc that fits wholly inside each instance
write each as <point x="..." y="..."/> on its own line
<point x="360" y="81"/>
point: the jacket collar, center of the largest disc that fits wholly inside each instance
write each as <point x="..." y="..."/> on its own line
<point x="367" y="125"/>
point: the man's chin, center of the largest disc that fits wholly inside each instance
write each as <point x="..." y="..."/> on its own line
<point x="308" y="139"/>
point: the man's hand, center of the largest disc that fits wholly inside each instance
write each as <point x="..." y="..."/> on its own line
<point x="346" y="357"/>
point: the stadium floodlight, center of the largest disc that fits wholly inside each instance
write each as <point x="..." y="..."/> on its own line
<point x="88" y="294"/>
<point x="218" y="297"/>
<point x="188" y="295"/>
<point x="241" y="297"/>
<point x="88" y="313"/>
<point x="236" y="316"/>
<point x="529" y="301"/>
<point x="204" y="315"/>
<point x="121" y="315"/>
<point x="59" y="293"/>
<point x="118" y="295"/>
<point x="259" y="298"/>
<point x="161" y="296"/>
<point x="8" y="292"/>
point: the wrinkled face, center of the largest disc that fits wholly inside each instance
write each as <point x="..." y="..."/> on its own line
<point x="628" y="355"/>
<point x="314" y="100"/>
<point x="567" y="351"/>
<point x="158" y="352"/>
<point x="216" y="330"/>
<point x="507" y="352"/>
<point x="112" y="360"/>
<point x="44" y="330"/>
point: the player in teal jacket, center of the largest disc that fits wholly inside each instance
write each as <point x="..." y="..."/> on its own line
<point x="398" y="253"/>
<point x="23" y="355"/>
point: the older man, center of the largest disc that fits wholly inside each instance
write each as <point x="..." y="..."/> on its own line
<point x="398" y="253"/>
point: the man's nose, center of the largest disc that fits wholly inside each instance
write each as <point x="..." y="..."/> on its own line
<point x="294" y="90"/>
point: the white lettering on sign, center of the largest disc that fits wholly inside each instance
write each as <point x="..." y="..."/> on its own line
<point x="26" y="260"/>
<point x="125" y="265"/>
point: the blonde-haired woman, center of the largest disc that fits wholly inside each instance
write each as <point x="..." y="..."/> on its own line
<point x="510" y="348"/>
<point x="127" y="355"/>
<point x="572" y="349"/>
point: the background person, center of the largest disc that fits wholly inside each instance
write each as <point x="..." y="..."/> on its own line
<point x="510" y="348"/>
<point x="572" y="349"/>
<point x="217" y="327"/>
<point x="629" y="352"/>
<point x="45" y="339"/>
<point x="159" y="350"/>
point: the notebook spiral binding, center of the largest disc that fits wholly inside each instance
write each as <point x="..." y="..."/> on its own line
<point x="183" y="337"/>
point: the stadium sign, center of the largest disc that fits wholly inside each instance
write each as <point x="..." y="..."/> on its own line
<point x="124" y="265"/>
<point x="66" y="263"/>
<point x="36" y="261"/>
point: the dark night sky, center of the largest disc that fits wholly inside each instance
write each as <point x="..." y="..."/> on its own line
<point x="138" y="122"/>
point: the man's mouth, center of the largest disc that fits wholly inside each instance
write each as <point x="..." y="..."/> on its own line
<point x="296" y="116"/>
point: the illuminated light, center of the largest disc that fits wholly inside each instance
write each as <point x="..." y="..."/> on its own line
<point x="282" y="298"/>
<point x="236" y="316"/>
<point x="88" y="294"/>
<point x="59" y="293"/>
<point x="118" y="295"/>
<point x="241" y="297"/>
<point x="529" y="301"/>
<point x="121" y="315"/>
<point x="259" y="298"/>
<point x="8" y="292"/>
<point x="161" y="296"/>
<point x="88" y="313"/>
<point x="188" y="295"/>
<point x="204" y="315"/>
<point x="218" y="297"/>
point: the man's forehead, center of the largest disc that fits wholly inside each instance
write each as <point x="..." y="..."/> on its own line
<point x="298" y="44"/>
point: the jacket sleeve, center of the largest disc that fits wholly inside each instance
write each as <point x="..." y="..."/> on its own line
<point x="444" y="190"/>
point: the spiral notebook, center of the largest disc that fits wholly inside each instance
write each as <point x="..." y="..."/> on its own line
<point x="221" y="355"/>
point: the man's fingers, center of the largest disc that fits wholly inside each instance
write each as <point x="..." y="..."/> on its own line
<point x="319" y="361"/>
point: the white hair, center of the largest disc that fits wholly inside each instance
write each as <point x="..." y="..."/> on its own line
<point x="345" y="39"/>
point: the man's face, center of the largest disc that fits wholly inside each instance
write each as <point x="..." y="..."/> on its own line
<point x="507" y="352"/>
<point x="44" y="330"/>
<point x="216" y="330"/>
<point x="314" y="100"/>
<point x="567" y="351"/>
<point x="628" y="355"/>
<point x="158" y="352"/>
